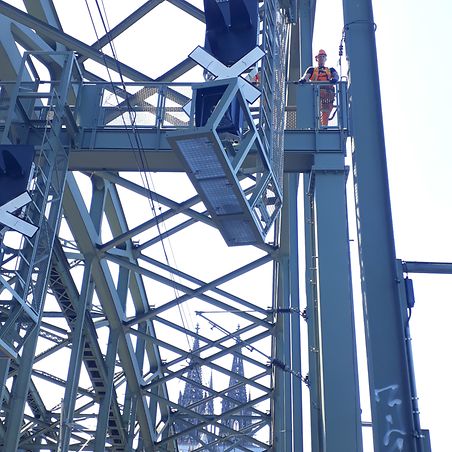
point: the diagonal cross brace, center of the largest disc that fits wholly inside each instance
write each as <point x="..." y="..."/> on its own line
<point x="16" y="223"/>
<point x="220" y="71"/>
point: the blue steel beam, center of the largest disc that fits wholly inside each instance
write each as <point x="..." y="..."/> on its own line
<point x="109" y="150"/>
<point x="48" y="31"/>
<point x="405" y="300"/>
<point x="288" y="426"/>
<point x="281" y="400"/>
<point x="440" y="268"/>
<point x="295" y="319"/>
<point x="43" y="10"/>
<point x="306" y="27"/>
<point x="289" y="248"/>
<point x="312" y="319"/>
<point x="123" y="26"/>
<point x="341" y="414"/>
<point x="86" y="236"/>
<point x="137" y="15"/>
<point x="390" y="396"/>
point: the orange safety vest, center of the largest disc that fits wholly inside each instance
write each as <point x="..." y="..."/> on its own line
<point x="326" y="92"/>
<point x="321" y="76"/>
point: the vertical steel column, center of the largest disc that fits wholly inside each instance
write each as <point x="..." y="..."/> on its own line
<point x="40" y="265"/>
<point x="312" y="311"/>
<point x="403" y="290"/>
<point x="282" y="409"/>
<point x="110" y="362"/>
<point x="339" y="378"/>
<point x="104" y="405"/>
<point x="390" y="395"/>
<point x="75" y="363"/>
<point x="305" y="120"/>
<point x="289" y="318"/>
<point x="288" y="420"/>
<point x="292" y="183"/>
<point x="291" y="203"/>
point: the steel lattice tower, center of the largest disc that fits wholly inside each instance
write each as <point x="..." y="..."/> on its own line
<point x="99" y="309"/>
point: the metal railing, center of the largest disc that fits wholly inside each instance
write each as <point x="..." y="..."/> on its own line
<point x="153" y="105"/>
<point x="161" y="105"/>
<point x="42" y="107"/>
<point x="105" y="104"/>
<point x="339" y="116"/>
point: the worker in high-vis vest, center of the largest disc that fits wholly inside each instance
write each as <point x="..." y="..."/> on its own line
<point x="321" y="73"/>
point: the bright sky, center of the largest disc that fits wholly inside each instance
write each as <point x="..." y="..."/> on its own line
<point x="414" y="54"/>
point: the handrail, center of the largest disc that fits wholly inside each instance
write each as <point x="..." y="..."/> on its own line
<point x="339" y="117"/>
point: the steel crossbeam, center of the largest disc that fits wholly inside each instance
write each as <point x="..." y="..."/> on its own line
<point x="145" y="305"/>
<point x="49" y="31"/>
<point x="146" y="400"/>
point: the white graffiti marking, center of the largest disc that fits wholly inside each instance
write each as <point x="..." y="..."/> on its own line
<point x="392" y="437"/>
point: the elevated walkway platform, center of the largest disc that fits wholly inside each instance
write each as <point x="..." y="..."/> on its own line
<point x="225" y="160"/>
<point x="232" y="170"/>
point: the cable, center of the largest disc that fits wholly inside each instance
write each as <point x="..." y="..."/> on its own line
<point x="143" y="173"/>
<point x="272" y="361"/>
<point x="344" y="34"/>
<point x="341" y="52"/>
<point x="359" y="21"/>
<point x="132" y="117"/>
<point x="139" y="155"/>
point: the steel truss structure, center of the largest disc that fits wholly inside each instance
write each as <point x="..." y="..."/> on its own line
<point x="99" y="311"/>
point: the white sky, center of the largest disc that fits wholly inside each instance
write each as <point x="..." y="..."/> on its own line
<point x="414" y="56"/>
<point x="415" y="67"/>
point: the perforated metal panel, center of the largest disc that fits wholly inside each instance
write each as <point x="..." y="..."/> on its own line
<point x="273" y="87"/>
<point x="201" y="158"/>
<point x="238" y="231"/>
<point x="221" y="195"/>
<point x="232" y="173"/>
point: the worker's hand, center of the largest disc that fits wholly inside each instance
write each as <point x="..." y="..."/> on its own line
<point x="302" y="80"/>
<point x="333" y="81"/>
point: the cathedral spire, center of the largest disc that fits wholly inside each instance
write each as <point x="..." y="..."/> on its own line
<point x="190" y="398"/>
<point x="237" y="395"/>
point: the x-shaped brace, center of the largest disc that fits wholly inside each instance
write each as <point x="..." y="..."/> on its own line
<point x="220" y="71"/>
<point x="13" y="222"/>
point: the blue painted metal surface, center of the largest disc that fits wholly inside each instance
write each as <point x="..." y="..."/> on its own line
<point x="223" y="124"/>
<point x="230" y="168"/>
<point x="232" y="28"/>
<point x="389" y="381"/>
<point x="15" y="168"/>
<point x="206" y="101"/>
<point x="339" y="388"/>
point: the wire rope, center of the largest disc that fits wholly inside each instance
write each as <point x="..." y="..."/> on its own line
<point x="136" y="147"/>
